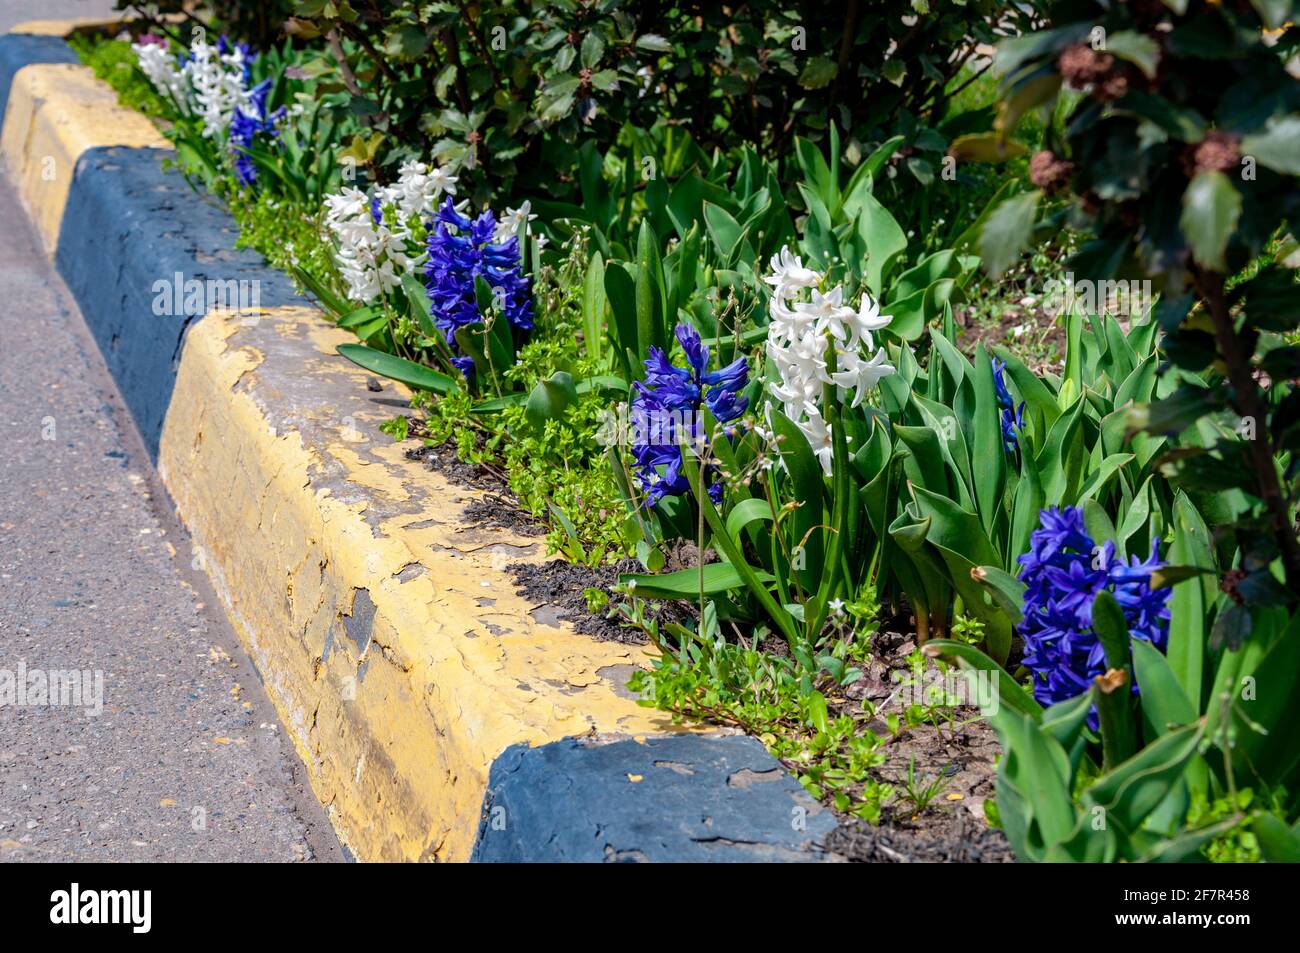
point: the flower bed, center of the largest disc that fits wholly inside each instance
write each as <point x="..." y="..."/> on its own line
<point x="749" y="392"/>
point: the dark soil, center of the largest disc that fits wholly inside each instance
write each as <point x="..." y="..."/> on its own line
<point x="501" y="509"/>
<point x="443" y="458"/>
<point x="1041" y="346"/>
<point x="961" y="749"/>
<point x="562" y="585"/>
<point x="944" y="839"/>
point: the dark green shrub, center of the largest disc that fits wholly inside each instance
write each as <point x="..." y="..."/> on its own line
<point x="511" y="86"/>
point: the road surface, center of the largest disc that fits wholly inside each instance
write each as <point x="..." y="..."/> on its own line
<point x="164" y="745"/>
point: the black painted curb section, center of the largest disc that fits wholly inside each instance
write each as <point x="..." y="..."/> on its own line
<point x="679" y="798"/>
<point x="133" y="237"/>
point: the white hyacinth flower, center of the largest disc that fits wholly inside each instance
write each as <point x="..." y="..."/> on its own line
<point x="374" y="256"/>
<point x="788" y="271"/>
<point x="865" y="320"/>
<point x="808" y="336"/>
<point x="159" y="65"/>
<point x="218" y="86"/>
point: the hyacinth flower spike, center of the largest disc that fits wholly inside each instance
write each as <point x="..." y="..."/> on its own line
<point x="666" y="415"/>
<point x="1063" y="572"/>
<point x="1012" y="417"/>
<point x="246" y="124"/>
<point x="460" y="251"/>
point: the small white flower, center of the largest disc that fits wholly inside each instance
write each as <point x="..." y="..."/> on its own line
<point x="443" y="180"/>
<point x="514" y="222"/>
<point x="865" y="320"/>
<point x="788" y="272"/>
<point x="818" y="432"/>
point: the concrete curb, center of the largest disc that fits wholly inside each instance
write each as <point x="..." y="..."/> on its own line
<point x="438" y="713"/>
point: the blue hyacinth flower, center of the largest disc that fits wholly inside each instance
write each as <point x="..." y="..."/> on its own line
<point x="666" y="413"/>
<point x="1013" y="417"/>
<point x="1063" y="572"/>
<point x="461" y="250"/>
<point x="247" y="123"/>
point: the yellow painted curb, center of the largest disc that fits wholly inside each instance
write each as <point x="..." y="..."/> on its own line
<point x="384" y="624"/>
<point x="66" y="27"/>
<point x="56" y="111"/>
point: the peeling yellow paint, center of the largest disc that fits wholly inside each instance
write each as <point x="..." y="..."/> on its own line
<point x="397" y="721"/>
<point x="56" y="111"/>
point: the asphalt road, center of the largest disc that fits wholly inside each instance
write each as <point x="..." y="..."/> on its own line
<point x="17" y="11"/>
<point x="167" y="748"/>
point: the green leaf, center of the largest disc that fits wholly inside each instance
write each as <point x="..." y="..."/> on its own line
<point x="1278" y="843"/>
<point x="1211" y="207"/>
<point x="1164" y="703"/>
<point x="1007" y="591"/>
<point x="1038" y="767"/>
<point x="1112" y="629"/>
<point x="723" y="229"/>
<point x="1007" y="231"/>
<point x="495" y="405"/>
<point x="1135" y="788"/>
<point x="620" y="287"/>
<point x="550" y="398"/>
<point x="1274" y="13"/>
<point x="756" y="582"/>
<point x="354" y="319"/>
<point x="685" y="583"/>
<point x="593" y="307"/>
<point x="746" y="512"/>
<point x="818" y="72"/>
<point x="1190" y="604"/>
<point x="884" y="238"/>
<point x="1009" y="691"/>
<point x="593" y="46"/>
<point x="1065" y="720"/>
<point x="1114" y="708"/>
<point x="989" y="456"/>
<point x="1137" y="48"/>
<point x="864" y="174"/>
<point x="397" y="368"/>
<point x="418" y="305"/>
<point x="985" y="147"/>
<point x="1186" y="847"/>
<point x="1277" y="147"/>
<point x="817" y="715"/>
<point x="806" y="487"/>
<point x="1062" y="459"/>
<point x="653" y="41"/>
<point x="963" y="544"/>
